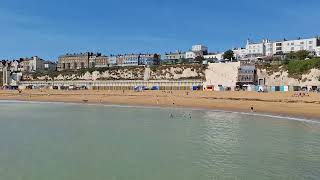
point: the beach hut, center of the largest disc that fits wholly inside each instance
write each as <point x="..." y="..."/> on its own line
<point x="273" y="88"/>
<point x="286" y="88"/>
<point x="281" y="88"/>
<point x="155" y="88"/>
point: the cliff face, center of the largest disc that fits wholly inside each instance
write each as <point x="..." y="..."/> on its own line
<point x="281" y="77"/>
<point x="193" y="71"/>
<point x="134" y="73"/>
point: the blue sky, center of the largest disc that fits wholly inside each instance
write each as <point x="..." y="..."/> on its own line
<point x="52" y="28"/>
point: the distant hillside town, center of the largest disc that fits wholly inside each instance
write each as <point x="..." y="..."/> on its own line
<point x="253" y="55"/>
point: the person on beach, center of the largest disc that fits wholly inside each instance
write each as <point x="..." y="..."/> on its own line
<point x="251" y="108"/>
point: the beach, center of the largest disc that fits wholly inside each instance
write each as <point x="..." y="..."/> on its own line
<point x="277" y="103"/>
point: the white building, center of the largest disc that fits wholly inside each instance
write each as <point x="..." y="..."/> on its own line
<point x="14" y="66"/>
<point x="287" y="46"/>
<point x="268" y="48"/>
<point x="32" y="64"/>
<point x="217" y="56"/>
<point x="190" y="55"/>
<point x="261" y="49"/>
<point x="318" y="51"/>
<point x="197" y="48"/>
<point x="112" y="60"/>
<point x="240" y="53"/>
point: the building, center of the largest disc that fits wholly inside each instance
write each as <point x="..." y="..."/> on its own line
<point x="317" y="51"/>
<point x="260" y="49"/>
<point x="32" y="64"/>
<point x="13" y="65"/>
<point x="138" y="59"/>
<point x="240" y="53"/>
<point x="266" y="48"/>
<point x="112" y="60"/>
<point x="247" y="74"/>
<point x="214" y="56"/>
<point x="130" y="60"/>
<point x="77" y="61"/>
<point x="221" y="76"/>
<point x="2" y="65"/>
<point x="200" y="48"/>
<point x="120" y="60"/>
<point x="149" y="59"/>
<point x="287" y="46"/>
<point x="175" y="56"/>
<point x="50" y="66"/>
<point x="196" y="50"/>
<point x="98" y="61"/>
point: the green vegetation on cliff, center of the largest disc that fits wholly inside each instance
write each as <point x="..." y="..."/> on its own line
<point x="295" y="63"/>
<point x="299" y="67"/>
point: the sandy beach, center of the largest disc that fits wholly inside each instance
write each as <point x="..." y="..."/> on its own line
<point x="275" y="103"/>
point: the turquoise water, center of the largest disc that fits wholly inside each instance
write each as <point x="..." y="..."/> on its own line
<point x="41" y="141"/>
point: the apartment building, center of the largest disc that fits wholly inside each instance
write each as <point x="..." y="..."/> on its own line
<point x="287" y="46"/>
<point x="137" y="59"/>
<point x="268" y="48"/>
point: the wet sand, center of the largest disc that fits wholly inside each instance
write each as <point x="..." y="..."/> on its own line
<point x="279" y="103"/>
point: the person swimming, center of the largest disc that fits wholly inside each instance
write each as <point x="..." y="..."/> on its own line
<point x="171" y="116"/>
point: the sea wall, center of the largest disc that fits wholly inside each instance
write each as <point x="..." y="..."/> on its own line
<point x="224" y="74"/>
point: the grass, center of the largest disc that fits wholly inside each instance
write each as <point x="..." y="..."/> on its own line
<point x="299" y="67"/>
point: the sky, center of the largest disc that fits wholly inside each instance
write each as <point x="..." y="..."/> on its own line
<point x="49" y="28"/>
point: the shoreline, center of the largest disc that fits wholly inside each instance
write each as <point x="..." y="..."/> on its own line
<point x="270" y="115"/>
<point x="274" y="104"/>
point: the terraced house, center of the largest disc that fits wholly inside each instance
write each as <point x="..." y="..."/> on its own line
<point x="81" y="61"/>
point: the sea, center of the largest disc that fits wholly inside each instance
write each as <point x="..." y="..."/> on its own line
<point x="60" y="141"/>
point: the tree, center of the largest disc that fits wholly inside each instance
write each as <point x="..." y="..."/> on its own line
<point x="182" y="61"/>
<point x="229" y="55"/>
<point x="199" y="59"/>
<point x="302" y="55"/>
<point x="156" y="59"/>
<point x="299" y="55"/>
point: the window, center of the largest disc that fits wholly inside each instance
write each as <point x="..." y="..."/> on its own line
<point x="301" y="42"/>
<point x="310" y="42"/>
<point x="292" y="44"/>
<point x="292" y="48"/>
<point x="278" y="44"/>
<point x="278" y="48"/>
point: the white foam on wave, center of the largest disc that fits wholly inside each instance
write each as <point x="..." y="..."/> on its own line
<point x="313" y="121"/>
